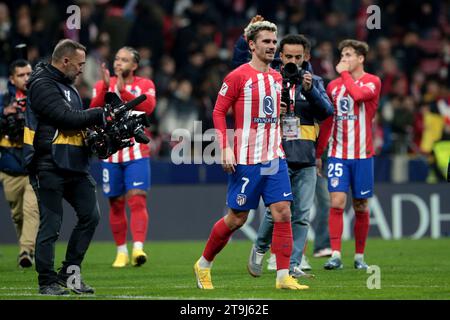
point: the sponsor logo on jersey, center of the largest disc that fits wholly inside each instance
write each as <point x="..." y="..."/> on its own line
<point x="268" y="105"/>
<point x="265" y="120"/>
<point x="344" y="104"/>
<point x="349" y="117"/>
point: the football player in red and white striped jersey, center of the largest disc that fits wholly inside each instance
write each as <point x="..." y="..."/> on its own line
<point x="355" y="95"/>
<point x="256" y="164"/>
<point x="126" y="174"/>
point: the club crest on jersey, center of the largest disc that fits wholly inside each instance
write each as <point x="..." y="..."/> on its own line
<point x="268" y="105"/>
<point x="106" y="188"/>
<point x="344" y="104"/>
<point x="334" y="182"/>
<point x="224" y="89"/>
<point x="241" y="199"/>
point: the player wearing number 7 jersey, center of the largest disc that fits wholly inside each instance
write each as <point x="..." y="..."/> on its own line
<point x="256" y="166"/>
<point x="355" y="96"/>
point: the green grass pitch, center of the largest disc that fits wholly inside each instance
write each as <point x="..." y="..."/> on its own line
<point x="410" y="269"/>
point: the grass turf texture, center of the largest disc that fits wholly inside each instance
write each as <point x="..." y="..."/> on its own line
<point x="410" y="269"/>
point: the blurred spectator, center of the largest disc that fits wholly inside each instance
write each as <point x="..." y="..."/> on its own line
<point x="390" y="76"/>
<point x="165" y="76"/>
<point x="115" y="24"/>
<point x="192" y="40"/>
<point x="402" y="123"/>
<point x="5" y="38"/>
<point x="181" y="110"/>
<point x="94" y="60"/>
<point x="46" y="20"/>
<point x="322" y="61"/>
<point x="147" y="30"/>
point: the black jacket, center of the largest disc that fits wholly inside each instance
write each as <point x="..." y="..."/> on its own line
<point x="53" y="122"/>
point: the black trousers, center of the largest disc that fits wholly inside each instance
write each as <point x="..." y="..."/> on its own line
<point x="79" y="190"/>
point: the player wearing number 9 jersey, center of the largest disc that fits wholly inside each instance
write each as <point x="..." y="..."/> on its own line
<point x="256" y="164"/>
<point x="355" y="96"/>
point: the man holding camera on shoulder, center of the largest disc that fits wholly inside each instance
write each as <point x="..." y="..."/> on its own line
<point x="58" y="162"/>
<point x="305" y="103"/>
<point x="13" y="174"/>
<point x="126" y="173"/>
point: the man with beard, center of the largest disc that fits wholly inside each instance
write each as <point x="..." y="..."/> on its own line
<point x="256" y="164"/>
<point x="126" y="174"/>
<point x="57" y="159"/>
<point x="16" y="185"/>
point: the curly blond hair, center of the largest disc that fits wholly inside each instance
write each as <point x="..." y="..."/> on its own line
<point x="251" y="31"/>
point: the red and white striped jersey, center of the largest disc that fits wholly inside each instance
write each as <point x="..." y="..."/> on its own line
<point x="355" y="104"/>
<point x="255" y="99"/>
<point x="133" y="90"/>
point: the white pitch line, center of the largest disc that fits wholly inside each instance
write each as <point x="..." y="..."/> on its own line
<point x="124" y="297"/>
<point x="96" y="287"/>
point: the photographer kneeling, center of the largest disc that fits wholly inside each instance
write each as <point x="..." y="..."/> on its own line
<point x="16" y="185"/>
<point x="57" y="158"/>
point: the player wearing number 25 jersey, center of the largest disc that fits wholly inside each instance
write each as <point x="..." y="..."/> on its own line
<point x="355" y="96"/>
<point x="256" y="164"/>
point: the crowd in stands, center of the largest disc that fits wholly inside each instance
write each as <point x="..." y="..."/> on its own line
<point x="186" y="48"/>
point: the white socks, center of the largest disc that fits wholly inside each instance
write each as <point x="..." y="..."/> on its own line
<point x="282" y="273"/>
<point x="359" y="256"/>
<point x="203" y="263"/>
<point x="122" y="249"/>
<point x="336" y="254"/>
<point x="138" y="245"/>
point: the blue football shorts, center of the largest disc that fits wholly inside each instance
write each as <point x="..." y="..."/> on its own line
<point x="250" y="182"/>
<point x="355" y="173"/>
<point x="118" y="178"/>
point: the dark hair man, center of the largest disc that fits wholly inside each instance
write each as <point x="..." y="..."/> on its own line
<point x="13" y="175"/>
<point x="126" y="174"/>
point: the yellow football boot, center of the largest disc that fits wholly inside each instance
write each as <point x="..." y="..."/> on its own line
<point x="288" y="282"/>
<point x="203" y="276"/>
<point x="138" y="257"/>
<point x="121" y="260"/>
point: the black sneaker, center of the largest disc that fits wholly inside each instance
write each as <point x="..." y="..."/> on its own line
<point x="53" y="289"/>
<point x="82" y="288"/>
<point x="25" y="260"/>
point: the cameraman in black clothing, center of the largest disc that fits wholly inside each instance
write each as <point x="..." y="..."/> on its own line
<point x="57" y="158"/>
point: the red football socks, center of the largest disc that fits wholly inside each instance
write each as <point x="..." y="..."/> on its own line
<point x="361" y="230"/>
<point x="335" y="224"/>
<point x="282" y="243"/>
<point x="139" y="217"/>
<point x="118" y="221"/>
<point x="220" y="234"/>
